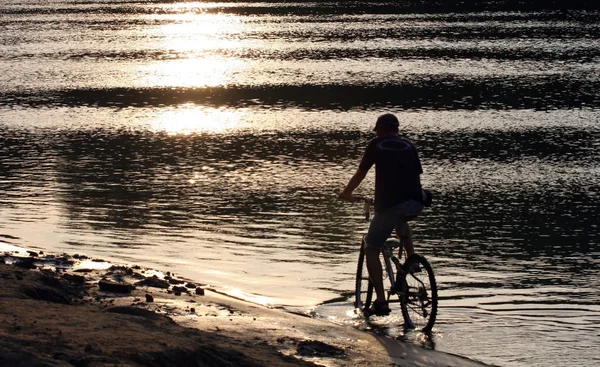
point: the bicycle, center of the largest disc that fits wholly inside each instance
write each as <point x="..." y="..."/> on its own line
<point x="413" y="283"/>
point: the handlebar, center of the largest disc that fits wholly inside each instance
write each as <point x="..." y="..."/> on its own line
<point x="368" y="203"/>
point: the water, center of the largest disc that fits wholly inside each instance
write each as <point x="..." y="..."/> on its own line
<point x="208" y="139"/>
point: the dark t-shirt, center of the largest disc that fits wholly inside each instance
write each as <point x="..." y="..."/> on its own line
<point x="397" y="170"/>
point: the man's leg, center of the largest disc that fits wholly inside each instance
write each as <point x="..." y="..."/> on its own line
<point x="375" y="272"/>
<point x="381" y="227"/>
<point x="408" y="210"/>
<point x="405" y="234"/>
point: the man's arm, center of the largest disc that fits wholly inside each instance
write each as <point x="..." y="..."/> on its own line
<point x="366" y="162"/>
<point x="352" y="185"/>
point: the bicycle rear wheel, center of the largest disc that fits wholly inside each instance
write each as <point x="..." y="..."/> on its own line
<point x="363" y="295"/>
<point x="419" y="294"/>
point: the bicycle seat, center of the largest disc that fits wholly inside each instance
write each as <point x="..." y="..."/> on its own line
<point x="392" y="243"/>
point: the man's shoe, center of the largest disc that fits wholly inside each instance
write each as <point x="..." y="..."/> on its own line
<point x="379" y="309"/>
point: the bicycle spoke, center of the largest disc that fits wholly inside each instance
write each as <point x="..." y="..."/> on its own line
<point x="419" y="295"/>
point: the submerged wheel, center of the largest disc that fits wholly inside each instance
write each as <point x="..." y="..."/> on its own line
<point x="419" y="294"/>
<point x="363" y="295"/>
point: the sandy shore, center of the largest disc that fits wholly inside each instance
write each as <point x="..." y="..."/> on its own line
<point x="73" y="311"/>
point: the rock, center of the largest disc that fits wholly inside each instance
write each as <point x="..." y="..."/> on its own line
<point x="32" y="253"/>
<point x="190" y="285"/>
<point x="199" y="291"/>
<point x="314" y="348"/>
<point x="74" y="278"/>
<point x="174" y="281"/>
<point x="137" y="276"/>
<point x="153" y="281"/>
<point x="123" y="269"/>
<point x="149" y="298"/>
<point x="64" y="259"/>
<point x="110" y="286"/>
<point x="179" y="289"/>
<point x="83" y="270"/>
<point x="27" y="263"/>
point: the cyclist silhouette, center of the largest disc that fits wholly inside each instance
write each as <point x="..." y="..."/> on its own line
<point x="398" y="196"/>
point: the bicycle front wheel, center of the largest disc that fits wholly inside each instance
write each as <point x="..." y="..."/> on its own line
<point x="419" y="298"/>
<point x="363" y="295"/>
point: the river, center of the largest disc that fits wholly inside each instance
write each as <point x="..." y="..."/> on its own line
<point x="209" y="139"/>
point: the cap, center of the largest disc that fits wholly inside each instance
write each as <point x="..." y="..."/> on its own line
<point x="388" y="122"/>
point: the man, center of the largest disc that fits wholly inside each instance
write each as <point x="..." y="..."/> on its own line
<point x="398" y="196"/>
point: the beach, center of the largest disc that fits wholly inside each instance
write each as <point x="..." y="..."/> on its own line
<point x="70" y="310"/>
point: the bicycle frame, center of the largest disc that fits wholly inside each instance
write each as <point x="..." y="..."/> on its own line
<point x="412" y="284"/>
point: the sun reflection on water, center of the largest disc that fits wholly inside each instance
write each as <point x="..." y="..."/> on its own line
<point x="192" y="40"/>
<point x="189" y="119"/>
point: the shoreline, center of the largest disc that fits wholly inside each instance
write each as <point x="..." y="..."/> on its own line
<point x="65" y="310"/>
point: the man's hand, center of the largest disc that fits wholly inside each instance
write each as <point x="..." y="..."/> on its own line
<point x="344" y="195"/>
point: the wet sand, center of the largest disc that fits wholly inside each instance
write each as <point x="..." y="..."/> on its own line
<point x="73" y="311"/>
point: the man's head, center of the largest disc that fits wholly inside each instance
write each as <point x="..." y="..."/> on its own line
<point x="386" y="123"/>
